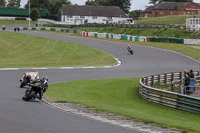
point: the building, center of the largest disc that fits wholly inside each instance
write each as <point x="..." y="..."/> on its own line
<point x="76" y="15"/>
<point x="12" y="12"/>
<point x="147" y="12"/>
<point x="173" y="8"/>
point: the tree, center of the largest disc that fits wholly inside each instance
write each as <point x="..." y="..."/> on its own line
<point x="97" y="2"/>
<point x="57" y="5"/>
<point x="34" y="15"/>
<point x="2" y="3"/>
<point x="154" y="2"/>
<point x="123" y="4"/>
<point x="14" y="3"/>
<point x="135" y="14"/>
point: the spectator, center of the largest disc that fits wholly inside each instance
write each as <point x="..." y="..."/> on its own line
<point x="186" y="82"/>
<point x="192" y="88"/>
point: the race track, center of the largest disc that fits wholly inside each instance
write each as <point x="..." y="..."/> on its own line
<point x="17" y="116"/>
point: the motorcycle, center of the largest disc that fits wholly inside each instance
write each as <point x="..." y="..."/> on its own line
<point x="130" y="50"/>
<point x="35" y="90"/>
<point x="27" y="77"/>
<point x="3" y="28"/>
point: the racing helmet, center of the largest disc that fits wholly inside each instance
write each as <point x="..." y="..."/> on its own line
<point x="28" y="77"/>
<point x="45" y="78"/>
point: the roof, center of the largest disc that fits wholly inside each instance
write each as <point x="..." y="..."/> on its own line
<point x="149" y="9"/>
<point x="104" y="11"/>
<point x="171" y="5"/>
<point x="18" y="12"/>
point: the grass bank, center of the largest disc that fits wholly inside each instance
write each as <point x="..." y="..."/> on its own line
<point x="166" y="20"/>
<point x="14" y="22"/>
<point x="120" y="96"/>
<point x="25" y="51"/>
<point x="161" y="32"/>
<point x="188" y="50"/>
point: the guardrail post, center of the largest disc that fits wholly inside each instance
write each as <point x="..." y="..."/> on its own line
<point x="180" y="75"/>
<point x="165" y="78"/>
<point x="159" y="78"/>
<point x="146" y="80"/>
<point x="152" y="80"/>
<point x="172" y="77"/>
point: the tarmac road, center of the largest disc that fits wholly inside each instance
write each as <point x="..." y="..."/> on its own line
<point x="17" y="116"/>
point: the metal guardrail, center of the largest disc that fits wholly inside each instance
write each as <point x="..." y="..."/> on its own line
<point x="167" y="98"/>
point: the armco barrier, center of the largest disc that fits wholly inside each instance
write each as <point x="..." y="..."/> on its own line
<point x="168" y="98"/>
<point x="52" y="29"/>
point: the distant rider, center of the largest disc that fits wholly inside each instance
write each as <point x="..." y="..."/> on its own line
<point x="129" y="48"/>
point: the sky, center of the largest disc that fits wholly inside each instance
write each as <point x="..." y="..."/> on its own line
<point x="135" y="4"/>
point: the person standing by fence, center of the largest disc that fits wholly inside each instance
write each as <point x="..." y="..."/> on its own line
<point x="192" y="81"/>
<point x="186" y="82"/>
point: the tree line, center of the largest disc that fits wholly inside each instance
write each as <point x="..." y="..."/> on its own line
<point x="54" y="6"/>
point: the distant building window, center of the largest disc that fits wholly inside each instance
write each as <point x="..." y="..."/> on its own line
<point x="193" y="6"/>
<point x="82" y="16"/>
<point x="94" y="17"/>
<point x="109" y="17"/>
<point x="161" y="13"/>
<point x="68" y="16"/>
<point x="170" y="13"/>
<point x="184" y="13"/>
<point x="192" y="13"/>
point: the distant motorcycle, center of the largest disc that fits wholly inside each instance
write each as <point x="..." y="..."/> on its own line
<point x="3" y="28"/>
<point x="130" y="50"/>
<point x="36" y="90"/>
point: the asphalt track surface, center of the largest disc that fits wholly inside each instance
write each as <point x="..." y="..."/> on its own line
<point x="17" y="116"/>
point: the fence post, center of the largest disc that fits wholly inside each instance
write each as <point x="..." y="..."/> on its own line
<point x="165" y="79"/>
<point x="147" y="81"/>
<point x="172" y="77"/>
<point x="159" y="78"/>
<point x="152" y="80"/>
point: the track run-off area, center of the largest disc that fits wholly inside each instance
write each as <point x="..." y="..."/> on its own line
<point x="17" y="116"/>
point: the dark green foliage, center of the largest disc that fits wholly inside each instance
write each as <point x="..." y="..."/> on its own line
<point x="2" y="3"/>
<point x="13" y="3"/>
<point x="50" y="6"/>
<point x="135" y="14"/>
<point x="34" y="15"/>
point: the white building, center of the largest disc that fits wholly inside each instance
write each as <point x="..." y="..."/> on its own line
<point x="76" y="15"/>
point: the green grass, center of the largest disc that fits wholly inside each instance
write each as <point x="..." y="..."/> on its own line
<point x="14" y="22"/>
<point x="166" y="87"/>
<point x="187" y="50"/>
<point x="23" y="50"/>
<point x="160" y="32"/>
<point x="120" y="96"/>
<point x="165" y="20"/>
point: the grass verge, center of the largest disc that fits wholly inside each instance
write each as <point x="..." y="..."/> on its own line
<point x="25" y="51"/>
<point x="120" y="96"/>
<point x="14" y="22"/>
<point x="188" y="50"/>
<point x="166" y="20"/>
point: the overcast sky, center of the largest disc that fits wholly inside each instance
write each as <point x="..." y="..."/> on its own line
<point x="135" y="4"/>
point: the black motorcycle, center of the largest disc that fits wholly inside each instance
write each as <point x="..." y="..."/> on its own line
<point x="35" y="90"/>
<point x="3" y="28"/>
<point x="130" y="50"/>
